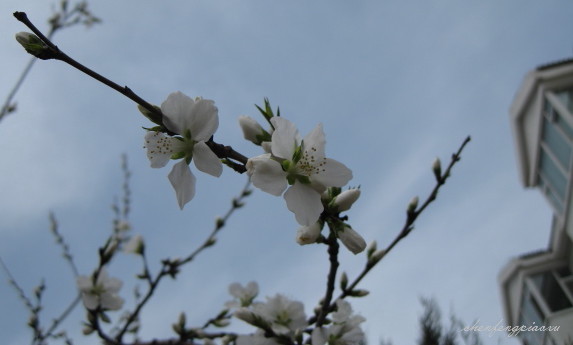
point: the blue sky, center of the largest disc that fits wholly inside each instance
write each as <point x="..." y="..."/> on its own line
<point x="395" y="84"/>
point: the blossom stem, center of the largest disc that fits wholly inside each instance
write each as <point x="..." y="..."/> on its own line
<point x="221" y="151"/>
<point x="333" y="247"/>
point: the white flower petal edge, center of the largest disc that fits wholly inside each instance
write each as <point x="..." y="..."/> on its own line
<point x="206" y="120"/>
<point x="207" y="161"/>
<point x="183" y="181"/>
<point x="335" y="174"/>
<point x="285" y="138"/>
<point x="304" y="202"/>
<point x="177" y="111"/>
<point x="183" y="113"/>
<point x="267" y="174"/>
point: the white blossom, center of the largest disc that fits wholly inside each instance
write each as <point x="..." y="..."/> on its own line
<point x="244" y="296"/>
<point x="300" y="163"/>
<point x="102" y="293"/>
<point x="285" y="316"/>
<point x="344" y="330"/>
<point x="194" y="121"/>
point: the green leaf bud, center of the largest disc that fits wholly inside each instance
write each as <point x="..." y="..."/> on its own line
<point x="34" y="45"/>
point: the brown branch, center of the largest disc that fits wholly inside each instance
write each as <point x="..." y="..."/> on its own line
<point x="155" y="114"/>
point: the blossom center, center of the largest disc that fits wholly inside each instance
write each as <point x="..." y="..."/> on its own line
<point x="309" y="164"/>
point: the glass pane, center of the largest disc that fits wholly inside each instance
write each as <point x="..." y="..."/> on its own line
<point x="551" y="291"/>
<point x="554" y="199"/>
<point x="557" y="143"/>
<point x="530" y="311"/>
<point x="552" y="175"/>
<point x="557" y="118"/>
<point x="531" y="315"/>
<point x="566" y="97"/>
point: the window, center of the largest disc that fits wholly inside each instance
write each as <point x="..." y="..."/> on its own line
<point x="531" y="314"/>
<point x="555" y="157"/>
<point x="552" y="292"/>
<point x="544" y="294"/>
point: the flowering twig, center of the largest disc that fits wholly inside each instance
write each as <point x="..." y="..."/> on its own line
<point x="34" y="309"/>
<point x="412" y="214"/>
<point x="171" y="267"/>
<point x="62" y="19"/>
<point x="153" y="113"/>
<point x="62" y="243"/>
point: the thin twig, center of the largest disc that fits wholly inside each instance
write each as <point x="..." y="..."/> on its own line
<point x="411" y="218"/>
<point x="171" y="267"/>
<point x="155" y="114"/>
<point x="54" y="229"/>
<point x="58" y="21"/>
<point x="16" y="286"/>
<point x="406" y="228"/>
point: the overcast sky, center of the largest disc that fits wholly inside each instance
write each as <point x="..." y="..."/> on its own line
<point x="395" y="85"/>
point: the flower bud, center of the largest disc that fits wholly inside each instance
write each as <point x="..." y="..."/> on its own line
<point x="344" y="200"/>
<point x="378" y="255"/>
<point x="308" y="234"/>
<point x="251" y="129"/>
<point x="413" y="204"/>
<point x="352" y="240"/>
<point x="437" y="168"/>
<point x="33" y="45"/>
<point x="135" y="245"/>
<point x="246" y="315"/>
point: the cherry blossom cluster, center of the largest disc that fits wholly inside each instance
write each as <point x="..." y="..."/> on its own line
<point x="291" y="166"/>
<point x="285" y="319"/>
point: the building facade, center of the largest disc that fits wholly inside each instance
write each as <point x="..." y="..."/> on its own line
<point x="537" y="288"/>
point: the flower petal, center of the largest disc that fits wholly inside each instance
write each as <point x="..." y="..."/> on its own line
<point x="318" y="336"/>
<point x="267" y="174"/>
<point x="183" y="182"/>
<point x="109" y="301"/>
<point x="112" y="285"/>
<point x="335" y="174"/>
<point x="206" y="161"/>
<point x="204" y="120"/>
<point x="308" y="234"/>
<point x="304" y="202"/>
<point x="159" y="148"/>
<point x="285" y="138"/>
<point x="314" y="143"/>
<point x="177" y="112"/>
<point x="84" y="283"/>
<point x="91" y="301"/>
